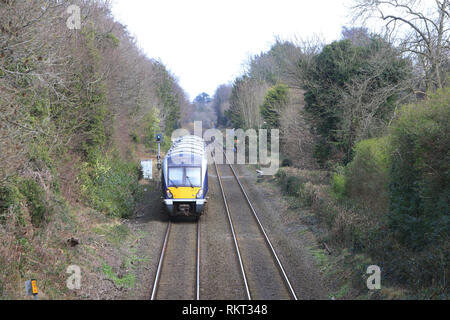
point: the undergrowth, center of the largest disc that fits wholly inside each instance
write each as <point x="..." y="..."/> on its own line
<point x="110" y="184"/>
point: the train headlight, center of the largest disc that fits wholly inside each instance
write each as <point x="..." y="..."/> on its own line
<point x="169" y="194"/>
<point x="199" y="193"/>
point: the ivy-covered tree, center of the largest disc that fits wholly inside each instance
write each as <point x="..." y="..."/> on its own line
<point x="170" y="105"/>
<point x="351" y="91"/>
<point x="274" y="103"/>
<point x="420" y="172"/>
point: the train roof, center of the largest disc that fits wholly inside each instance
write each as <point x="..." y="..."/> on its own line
<point x="187" y="150"/>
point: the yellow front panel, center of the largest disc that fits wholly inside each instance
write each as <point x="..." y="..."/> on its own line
<point x="184" y="192"/>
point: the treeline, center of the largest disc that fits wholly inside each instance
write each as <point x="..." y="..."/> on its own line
<point x="201" y="109"/>
<point x="62" y="88"/>
<point x="63" y="92"/>
<point x="373" y="110"/>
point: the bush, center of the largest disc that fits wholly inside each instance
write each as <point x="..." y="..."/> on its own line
<point x="10" y="197"/>
<point x="338" y="184"/>
<point x="307" y="194"/>
<point x="111" y="185"/>
<point x="135" y="136"/>
<point x="24" y="191"/>
<point x="292" y="186"/>
<point x="367" y="174"/>
<point x="151" y="121"/>
<point x="289" y="184"/>
<point x="286" y="163"/>
<point x="35" y="196"/>
<point x="281" y="176"/>
<point x="420" y="172"/>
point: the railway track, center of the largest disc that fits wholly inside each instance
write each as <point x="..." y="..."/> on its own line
<point x="263" y="274"/>
<point x="178" y="272"/>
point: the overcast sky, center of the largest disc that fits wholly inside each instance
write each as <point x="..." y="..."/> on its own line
<point x="204" y="43"/>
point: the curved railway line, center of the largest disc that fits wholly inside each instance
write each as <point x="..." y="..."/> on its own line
<point x="262" y="272"/>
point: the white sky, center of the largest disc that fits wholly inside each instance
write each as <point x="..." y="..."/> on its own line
<point x="205" y="43"/>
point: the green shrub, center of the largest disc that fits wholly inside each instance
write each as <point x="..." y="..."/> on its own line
<point x="420" y="172"/>
<point x="281" y="176"/>
<point x="292" y="186"/>
<point x="135" y="136"/>
<point x="367" y="174"/>
<point x="111" y="185"/>
<point x="35" y="197"/>
<point x="338" y="185"/>
<point x="151" y="128"/>
<point x="167" y="143"/>
<point x="274" y="102"/>
<point x="307" y="194"/>
<point x="19" y="191"/>
<point x="10" y="197"/>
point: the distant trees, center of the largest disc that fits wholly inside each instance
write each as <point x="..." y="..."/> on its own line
<point x="201" y="109"/>
<point x="203" y="98"/>
<point x="221" y="102"/>
<point x="279" y="64"/>
<point x="270" y="95"/>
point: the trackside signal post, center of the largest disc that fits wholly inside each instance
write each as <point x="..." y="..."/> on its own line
<point x="159" y="139"/>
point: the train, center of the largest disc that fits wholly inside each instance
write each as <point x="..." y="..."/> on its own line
<point x="184" y="177"/>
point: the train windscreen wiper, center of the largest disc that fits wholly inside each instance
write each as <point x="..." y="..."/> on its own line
<point x="187" y="177"/>
<point x="172" y="183"/>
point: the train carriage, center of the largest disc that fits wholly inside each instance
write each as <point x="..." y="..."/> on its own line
<point x="185" y="177"/>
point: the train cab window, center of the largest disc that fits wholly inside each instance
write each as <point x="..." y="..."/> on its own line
<point x="193" y="176"/>
<point x="176" y="176"/>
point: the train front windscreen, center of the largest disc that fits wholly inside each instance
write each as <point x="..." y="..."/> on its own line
<point x="184" y="177"/>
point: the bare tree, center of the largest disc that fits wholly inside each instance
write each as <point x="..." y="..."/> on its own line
<point x="423" y="32"/>
<point x="297" y="140"/>
<point x="247" y="96"/>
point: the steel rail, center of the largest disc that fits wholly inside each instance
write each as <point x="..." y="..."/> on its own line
<point x="198" y="260"/>
<point x="272" y="249"/>
<point x="236" y="245"/>
<point x="160" y="263"/>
